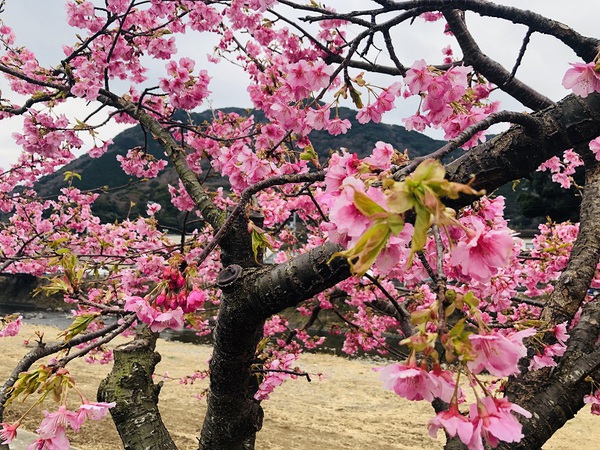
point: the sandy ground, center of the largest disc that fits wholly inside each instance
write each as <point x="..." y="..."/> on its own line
<point x="346" y="410"/>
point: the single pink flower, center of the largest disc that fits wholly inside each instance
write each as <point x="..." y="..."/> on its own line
<point x="58" y="441"/>
<point x="95" y="410"/>
<point x="410" y="382"/>
<point x="58" y="420"/>
<point x="195" y="300"/>
<point x="8" y="432"/>
<point x="170" y="319"/>
<point x="582" y="79"/>
<point x="593" y="400"/>
<point x="337" y="126"/>
<point x="492" y="419"/>
<point x="497" y="353"/>
<point x="12" y="328"/>
<point x="418" y="77"/>
<point x="453" y="422"/>
<point x="382" y="155"/>
<point x="482" y="251"/>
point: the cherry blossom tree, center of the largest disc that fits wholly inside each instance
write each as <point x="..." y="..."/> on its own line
<point x="392" y="245"/>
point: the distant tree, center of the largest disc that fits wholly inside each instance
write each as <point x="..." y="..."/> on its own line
<point x="376" y="232"/>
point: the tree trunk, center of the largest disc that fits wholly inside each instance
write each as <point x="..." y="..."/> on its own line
<point x="130" y="385"/>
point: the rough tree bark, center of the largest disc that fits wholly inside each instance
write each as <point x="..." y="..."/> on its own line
<point x="130" y="385"/>
<point x="555" y="396"/>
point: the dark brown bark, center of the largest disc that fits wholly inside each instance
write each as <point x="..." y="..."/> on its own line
<point x="558" y="399"/>
<point x="516" y="154"/>
<point x="233" y="416"/>
<point x="555" y="396"/>
<point x="492" y="70"/>
<point x="575" y="280"/>
<point x="130" y="385"/>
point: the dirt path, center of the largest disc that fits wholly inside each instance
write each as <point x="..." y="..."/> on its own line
<point x="346" y="410"/>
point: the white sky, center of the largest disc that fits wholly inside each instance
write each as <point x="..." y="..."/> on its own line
<point x="40" y="25"/>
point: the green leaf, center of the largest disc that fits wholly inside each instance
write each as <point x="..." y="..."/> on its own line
<point x="421" y="226"/>
<point x="78" y="326"/>
<point x="362" y="256"/>
<point x="70" y="175"/>
<point x="367" y="206"/>
<point x="355" y="96"/>
<point x="260" y="240"/>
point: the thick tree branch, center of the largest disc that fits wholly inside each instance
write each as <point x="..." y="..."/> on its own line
<point x="492" y="70"/>
<point x="574" y="281"/>
<point x="130" y="386"/>
<point x="297" y="280"/>
<point x="516" y="154"/>
<point x="531" y="124"/>
<point x="585" y="47"/>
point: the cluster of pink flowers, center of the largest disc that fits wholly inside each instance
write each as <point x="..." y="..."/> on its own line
<point x="52" y="429"/>
<point x="141" y="164"/>
<point x="185" y="90"/>
<point x="442" y="90"/>
<point x="489" y="418"/>
<point x="10" y="326"/>
<point x="278" y="369"/>
<point x="383" y="103"/>
<point x="288" y="73"/>
<point x="562" y="170"/>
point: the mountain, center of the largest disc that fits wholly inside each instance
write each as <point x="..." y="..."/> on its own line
<point x="125" y="196"/>
<point x="528" y="203"/>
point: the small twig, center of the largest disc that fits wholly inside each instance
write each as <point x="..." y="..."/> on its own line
<point x="107" y="338"/>
<point x="526" y="40"/>
<point x="290" y="372"/>
<point x="528" y="301"/>
<point x="403" y="313"/>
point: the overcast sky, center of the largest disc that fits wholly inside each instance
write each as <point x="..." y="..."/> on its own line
<point x="40" y="25"/>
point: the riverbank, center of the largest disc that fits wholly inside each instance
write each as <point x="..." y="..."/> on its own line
<point x="347" y="409"/>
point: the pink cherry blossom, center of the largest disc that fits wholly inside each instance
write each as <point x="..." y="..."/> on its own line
<point x="338" y="126"/>
<point x="497" y="353"/>
<point x="493" y="420"/>
<point x="95" y="410"/>
<point x="594" y="400"/>
<point x="58" y="420"/>
<point x="8" y="432"/>
<point x="418" y="78"/>
<point x="412" y="382"/>
<point x="582" y="79"/>
<point x="12" y="328"/>
<point x="453" y="422"/>
<point x="58" y="441"/>
<point x="381" y="157"/>
<point x="481" y="252"/>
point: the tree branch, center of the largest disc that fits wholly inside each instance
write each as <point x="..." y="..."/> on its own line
<point x="516" y="154"/>
<point x="492" y="70"/>
<point x="202" y="200"/>
<point x="574" y="281"/>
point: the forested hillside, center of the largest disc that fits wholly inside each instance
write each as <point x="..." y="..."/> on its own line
<point x="124" y="196"/>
